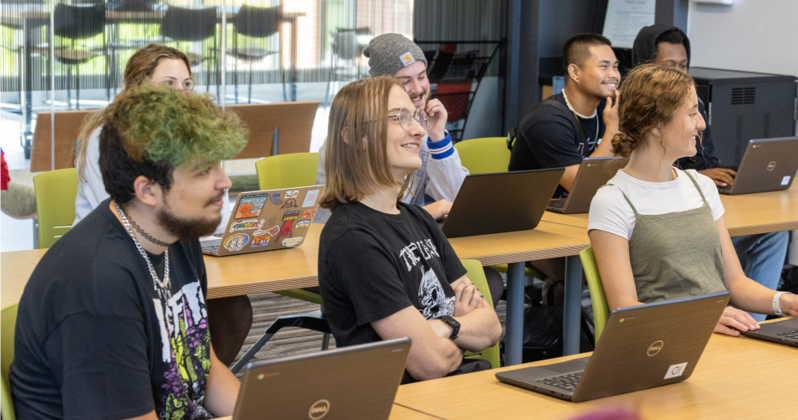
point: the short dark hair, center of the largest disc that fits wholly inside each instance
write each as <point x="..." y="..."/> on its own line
<point x="577" y="49"/>
<point x="151" y="130"/>
<point x="673" y="36"/>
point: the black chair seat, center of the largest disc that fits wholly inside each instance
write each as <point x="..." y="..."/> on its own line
<point x="250" y="53"/>
<point x="68" y="56"/>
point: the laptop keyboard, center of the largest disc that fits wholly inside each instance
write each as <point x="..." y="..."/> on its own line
<point x="566" y="382"/>
<point x="725" y="190"/>
<point x="790" y="334"/>
<point x="557" y="204"/>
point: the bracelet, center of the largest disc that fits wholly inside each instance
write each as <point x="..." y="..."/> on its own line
<point x="777" y="303"/>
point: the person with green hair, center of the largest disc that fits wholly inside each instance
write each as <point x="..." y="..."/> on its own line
<point x="113" y="322"/>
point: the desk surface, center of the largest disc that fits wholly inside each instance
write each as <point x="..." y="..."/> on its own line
<point x="298" y="267"/>
<point x="747" y="214"/>
<point x="735" y="378"/>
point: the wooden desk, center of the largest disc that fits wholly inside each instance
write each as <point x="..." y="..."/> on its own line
<point x="747" y="214"/>
<point x="397" y="413"/>
<point x="735" y="378"/>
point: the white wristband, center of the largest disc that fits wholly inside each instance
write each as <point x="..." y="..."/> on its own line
<point x="777" y="304"/>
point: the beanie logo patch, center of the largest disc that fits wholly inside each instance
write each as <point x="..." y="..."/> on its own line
<point x="407" y="59"/>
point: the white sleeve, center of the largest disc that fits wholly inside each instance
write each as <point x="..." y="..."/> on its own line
<point x="445" y="172"/>
<point x="710" y="193"/>
<point x="610" y="212"/>
<point x="91" y="190"/>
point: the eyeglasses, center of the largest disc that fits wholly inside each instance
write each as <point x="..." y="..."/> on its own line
<point x="188" y="84"/>
<point x="406" y="118"/>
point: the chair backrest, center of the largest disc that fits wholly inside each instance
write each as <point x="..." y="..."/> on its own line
<point x="257" y="22"/>
<point x="476" y="274"/>
<point x="485" y="155"/>
<point x="55" y="203"/>
<point x="182" y="24"/>
<point x="67" y="129"/>
<point x="601" y="311"/>
<point x="79" y="22"/>
<point x="8" y="318"/>
<point x="287" y="171"/>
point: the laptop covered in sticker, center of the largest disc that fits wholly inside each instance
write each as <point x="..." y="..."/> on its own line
<point x="265" y="221"/>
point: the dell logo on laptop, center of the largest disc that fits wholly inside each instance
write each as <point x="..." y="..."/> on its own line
<point x="655" y="348"/>
<point x="319" y="409"/>
<point x="771" y="166"/>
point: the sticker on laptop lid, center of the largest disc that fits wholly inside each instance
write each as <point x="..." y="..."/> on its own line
<point x="291" y="242"/>
<point x="247" y="225"/>
<point x="291" y="215"/>
<point x="237" y="242"/>
<point x="308" y="214"/>
<point x="261" y="240"/>
<point x="407" y="59"/>
<point x="275" y="197"/>
<point x="674" y="371"/>
<point x="310" y="198"/>
<point x="291" y="202"/>
<point x="285" y="231"/>
<point x="251" y="206"/>
<point x="785" y="180"/>
<point x="301" y="224"/>
<point x="291" y="194"/>
<point x="272" y="231"/>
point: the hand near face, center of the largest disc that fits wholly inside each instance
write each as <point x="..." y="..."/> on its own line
<point x="437" y="120"/>
<point x="610" y="112"/>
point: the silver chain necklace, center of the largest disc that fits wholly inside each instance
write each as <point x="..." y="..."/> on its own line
<point x="162" y="286"/>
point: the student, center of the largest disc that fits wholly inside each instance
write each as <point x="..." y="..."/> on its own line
<point x="160" y="65"/>
<point x="436" y="183"/>
<point x="658" y="232"/>
<point x="762" y="255"/>
<point x="569" y="126"/>
<point x="385" y="268"/>
<point x="113" y="322"/>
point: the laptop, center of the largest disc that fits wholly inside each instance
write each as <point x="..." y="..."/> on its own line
<point x="265" y="221"/>
<point x="592" y="174"/>
<point x="357" y="382"/>
<point x="641" y="347"/>
<point x="501" y="202"/>
<point x="781" y="332"/>
<point x="767" y="165"/>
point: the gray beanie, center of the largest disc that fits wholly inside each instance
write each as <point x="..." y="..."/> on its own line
<point x="389" y="53"/>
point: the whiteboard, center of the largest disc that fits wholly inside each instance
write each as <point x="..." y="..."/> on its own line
<point x="625" y="18"/>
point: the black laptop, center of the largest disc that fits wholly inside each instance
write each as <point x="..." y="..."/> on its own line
<point x="767" y="165"/>
<point x="501" y="202"/>
<point x="781" y="332"/>
<point x="641" y="347"/>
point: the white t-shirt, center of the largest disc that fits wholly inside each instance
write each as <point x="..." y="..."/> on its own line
<point x="610" y="212"/>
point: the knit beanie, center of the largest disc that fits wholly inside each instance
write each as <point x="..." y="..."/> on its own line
<point x="389" y="53"/>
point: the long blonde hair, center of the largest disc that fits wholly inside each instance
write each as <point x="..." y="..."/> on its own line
<point x="355" y="161"/>
<point x="141" y="66"/>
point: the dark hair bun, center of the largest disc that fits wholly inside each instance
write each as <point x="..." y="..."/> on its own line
<point x="623" y="144"/>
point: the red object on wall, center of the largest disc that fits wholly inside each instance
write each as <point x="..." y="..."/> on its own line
<point x="4" y="177"/>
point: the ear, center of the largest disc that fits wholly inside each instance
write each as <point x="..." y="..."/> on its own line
<point x="148" y="192"/>
<point x="344" y="135"/>
<point x="573" y="72"/>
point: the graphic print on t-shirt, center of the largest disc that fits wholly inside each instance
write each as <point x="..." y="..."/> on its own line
<point x="430" y="292"/>
<point x="185" y="354"/>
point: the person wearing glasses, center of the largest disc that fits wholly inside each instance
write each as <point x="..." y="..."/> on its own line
<point x="160" y="65"/>
<point x="385" y="268"/>
<point x="435" y="184"/>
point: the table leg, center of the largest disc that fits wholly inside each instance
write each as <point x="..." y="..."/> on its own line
<point x="514" y="339"/>
<point x="294" y="60"/>
<point x="27" y="29"/>
<point x="572" y="313"/>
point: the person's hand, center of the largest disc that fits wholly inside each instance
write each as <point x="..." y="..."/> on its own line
<point x="735" y="320"/>
<point x="721" y="176"/>
<point x="466" y="298"/>
<point x="610" y="112"/>
<point x="436" y="127"/>
<point x="439" y="209"/>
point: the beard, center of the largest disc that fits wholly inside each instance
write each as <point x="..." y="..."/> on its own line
<point x="185" y="228"/>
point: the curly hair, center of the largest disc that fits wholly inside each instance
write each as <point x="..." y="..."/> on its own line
<point x="151" y="130"/>
<point x="650" y="95"/>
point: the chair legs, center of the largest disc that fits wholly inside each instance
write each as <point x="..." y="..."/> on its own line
<point x="311" y="320"/>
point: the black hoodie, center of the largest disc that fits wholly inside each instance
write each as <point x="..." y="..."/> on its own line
<point x="643" y="51"/>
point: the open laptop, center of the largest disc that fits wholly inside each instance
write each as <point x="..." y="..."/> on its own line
<point x="501" y="202"/>
<point x="265" y="221"/>
<point x="767" y="165"/>
<point x="357" y="382"/>
<point x="641" y="347"/>
<point x="592" y="174"/>
<point x="781" y="332"/>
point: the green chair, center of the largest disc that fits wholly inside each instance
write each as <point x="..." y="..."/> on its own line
<point x="292" y="170"/>
<point x="476" y="274"/>
<point x="488" y="155"/>
<point x="55" y="204"/>
<point x="601" y="311"/>
<point x="9" y="321"/>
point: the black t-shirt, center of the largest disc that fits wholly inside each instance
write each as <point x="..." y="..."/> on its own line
<point x="548" y="138"/>
<point x="373" y="264"/>
<point x="93" y="338"/>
